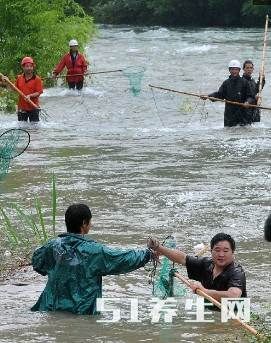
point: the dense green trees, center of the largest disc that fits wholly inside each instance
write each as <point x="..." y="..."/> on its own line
<point x="177" y="12"/>
<point x="41" y="29"/>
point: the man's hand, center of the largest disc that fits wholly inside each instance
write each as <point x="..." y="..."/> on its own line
<point x="197" y="285"/>
<point x="204" y="97"/>
<point x="3" y="78"/>
<point x="155" y="256"/>
<point x="246" y="104"/>
<point x="153" y="243"/>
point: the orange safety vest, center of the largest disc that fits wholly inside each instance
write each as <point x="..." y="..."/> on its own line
<point x="30" y="86"/>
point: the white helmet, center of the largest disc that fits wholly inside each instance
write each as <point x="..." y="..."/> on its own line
<point x="235" y="64"/>
<point x="73" y="42"/>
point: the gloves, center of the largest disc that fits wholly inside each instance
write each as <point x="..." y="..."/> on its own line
<point x="153" y="243"/>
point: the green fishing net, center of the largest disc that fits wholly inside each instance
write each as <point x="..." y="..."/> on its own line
<point x="12" y="144"/>
<point x="4" y="166"/>
<point x="165" y="285"/>
<point x="135" y="75"/>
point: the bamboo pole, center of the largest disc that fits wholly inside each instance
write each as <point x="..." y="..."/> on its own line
<point x="19" y="91"/>
<point x="85" y="74"/>
<point x="259" y="100"/>
<point x="43" y="113"/>
<point x="216" y="303"/>
<point x="212" y="98"/>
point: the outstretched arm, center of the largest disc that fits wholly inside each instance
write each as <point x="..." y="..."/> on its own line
<point x="113" y="261"/>
<point x="60" y="66"/>
<point x="220" y="94"/>
<point x="172" y="254"/>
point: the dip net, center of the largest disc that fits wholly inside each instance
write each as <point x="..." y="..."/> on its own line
<point x="182" y="108"/>
<point x="12" y="144"/>
<point x="135" y="75"/>
<point x="165" y="285"/>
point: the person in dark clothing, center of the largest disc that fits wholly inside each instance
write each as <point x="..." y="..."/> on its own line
<point x="267" y="229"/>
<point x="76" y="264"/>
<point x="248" y="69"/>
<point x="219" y="276"/>
<point x="237" y="89"/>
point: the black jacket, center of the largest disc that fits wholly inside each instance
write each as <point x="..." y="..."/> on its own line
<point x="235" y="89"/>
<point x="254" y="113"/>
<point x="253" y="84"/>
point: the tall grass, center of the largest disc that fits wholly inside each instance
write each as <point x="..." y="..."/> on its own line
<point x="21" y="230"/>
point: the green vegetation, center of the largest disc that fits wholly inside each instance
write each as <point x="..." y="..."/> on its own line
<point x="40" y="29"/>
<point x="22" y="230"/>
<point x="258" y="322"/>
<point x="177" y="12"/>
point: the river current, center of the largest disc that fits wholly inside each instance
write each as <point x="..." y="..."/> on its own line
<point x="154" y="164"/>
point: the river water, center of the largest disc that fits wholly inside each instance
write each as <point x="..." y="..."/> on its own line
<point x="147" y="167"/>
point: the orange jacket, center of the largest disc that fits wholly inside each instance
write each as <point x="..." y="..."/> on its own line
<point x="30" y="86"/>
<point x="77" y="66"/>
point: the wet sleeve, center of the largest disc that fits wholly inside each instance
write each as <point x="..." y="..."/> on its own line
<point x="237" y="279"/>
<point x="250" y="98"/>
<point x="60" y="66"/>
<point x="41" y="260"/>
<point x="117" y="261"/>
<point x="220" y="94"/>
<point x="195" y="266"/>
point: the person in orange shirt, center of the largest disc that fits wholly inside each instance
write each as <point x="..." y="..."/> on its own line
<point x="31" y="86"/>
<point x="76" y="65"/>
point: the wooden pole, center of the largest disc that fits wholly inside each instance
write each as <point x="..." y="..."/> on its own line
<point x="85" y="74"/>
<point x="19" y="92"/>
<point x="216" y="303"/>
<point x="259" y="100"/>
<point x="212" y="98"/>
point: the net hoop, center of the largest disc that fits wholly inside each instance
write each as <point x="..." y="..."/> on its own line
<point x="9" y="143"/>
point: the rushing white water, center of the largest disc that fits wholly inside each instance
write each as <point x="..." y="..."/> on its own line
<point x="146" y="168"/>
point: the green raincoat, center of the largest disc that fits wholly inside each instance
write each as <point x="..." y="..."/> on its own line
<point x="75" y="266"/>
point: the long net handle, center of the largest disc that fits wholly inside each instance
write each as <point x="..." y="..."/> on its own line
<point x="20" y="92"/>
<point x="86" y="74"/>
<point x="216" y="303"/>
<point x="263" y="61"/>
<point x="211" y="98"/>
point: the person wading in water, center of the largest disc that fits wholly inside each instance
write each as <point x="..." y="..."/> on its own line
<point x="248" y="68"/>
<point x="76" y="264"/>
<point x="31" y="86"/>
<point x="76" y="65"/>
<point x="218" y="276"/>
<point x="236" y="89"/>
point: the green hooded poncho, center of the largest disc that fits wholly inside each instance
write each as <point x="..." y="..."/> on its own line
<point x="75" y="266"/>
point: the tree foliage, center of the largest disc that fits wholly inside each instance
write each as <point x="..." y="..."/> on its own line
<point x="177" y="12"/>
<point x="40" y="29"/>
